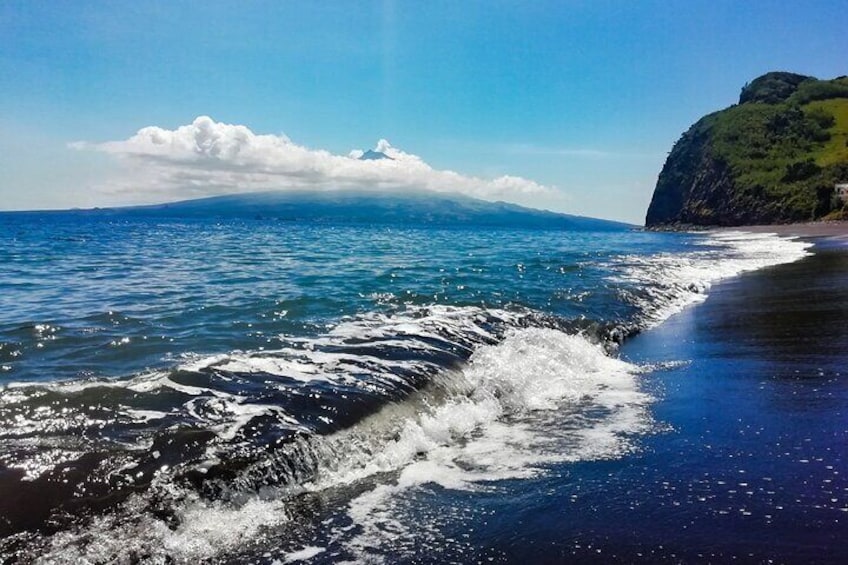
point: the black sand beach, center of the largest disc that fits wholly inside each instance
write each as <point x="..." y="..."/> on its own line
<point x="757" y="399"/>
<point x="833" y="230"/>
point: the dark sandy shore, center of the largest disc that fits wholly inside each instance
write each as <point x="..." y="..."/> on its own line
<point x="756" y="400"/>
<point x="812" y="229"/>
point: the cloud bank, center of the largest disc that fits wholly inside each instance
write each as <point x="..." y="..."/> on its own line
<point x="207" y="158"/>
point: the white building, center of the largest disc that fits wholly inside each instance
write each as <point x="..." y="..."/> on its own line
<point x="841" y="191"/>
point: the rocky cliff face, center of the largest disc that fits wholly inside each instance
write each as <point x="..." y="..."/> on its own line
<point x="772" y="158"/>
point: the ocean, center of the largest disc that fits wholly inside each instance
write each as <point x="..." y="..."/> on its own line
<point x="255" y="390"/>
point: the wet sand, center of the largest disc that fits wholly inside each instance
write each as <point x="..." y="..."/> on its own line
<point x="812" y="229"/>
<point x="755" y="394"/>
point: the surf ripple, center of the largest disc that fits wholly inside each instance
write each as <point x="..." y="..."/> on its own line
<point x="662" y="284"/>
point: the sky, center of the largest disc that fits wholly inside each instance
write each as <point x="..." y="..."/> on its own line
<point x="570" y="105"/>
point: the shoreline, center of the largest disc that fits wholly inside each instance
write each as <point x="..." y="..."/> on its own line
<point x="753" y="385"/>
<point x="837" y="230"/>
<point x="801" y="229"/>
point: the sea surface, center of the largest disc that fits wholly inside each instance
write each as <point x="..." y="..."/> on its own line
<point x="249" y="390"/>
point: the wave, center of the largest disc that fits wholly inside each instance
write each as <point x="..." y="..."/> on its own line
<point x="215" y="453"/>
<point x="480" y="424"/>
<point x="663" y="284"/>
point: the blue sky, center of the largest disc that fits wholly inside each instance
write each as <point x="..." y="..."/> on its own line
<point x="581" y="98"/>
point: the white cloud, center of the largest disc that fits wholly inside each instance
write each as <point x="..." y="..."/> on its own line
<point x="208" y="157"/>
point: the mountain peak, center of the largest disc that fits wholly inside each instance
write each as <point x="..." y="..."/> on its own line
<point x="372" y="155"/>
<point x="773" y="87"/>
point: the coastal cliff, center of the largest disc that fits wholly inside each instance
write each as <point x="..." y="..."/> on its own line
<point x="775" y="157"/>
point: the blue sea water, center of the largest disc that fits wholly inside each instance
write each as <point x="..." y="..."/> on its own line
<point x="255" y="390"/>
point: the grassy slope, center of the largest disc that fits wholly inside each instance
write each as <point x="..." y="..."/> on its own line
<point x="836" y="150"/>
<point x="790" y="153"/>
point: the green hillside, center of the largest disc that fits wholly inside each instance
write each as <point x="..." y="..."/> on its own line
<point x="772" y="158"/>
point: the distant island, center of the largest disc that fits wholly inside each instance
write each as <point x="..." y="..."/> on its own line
<point x="347" y="206"/>
<point x="778" y="156"/>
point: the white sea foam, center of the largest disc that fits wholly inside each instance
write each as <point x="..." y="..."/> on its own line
<point x="530" y="371"/>
<point x="145" y="415"/>
<point x="304" y="554"/>
<point x="525" y="407"/>
<point x="416" y="327"/>
<point x="205" y="529"/>
<point x="669" y="282"/>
